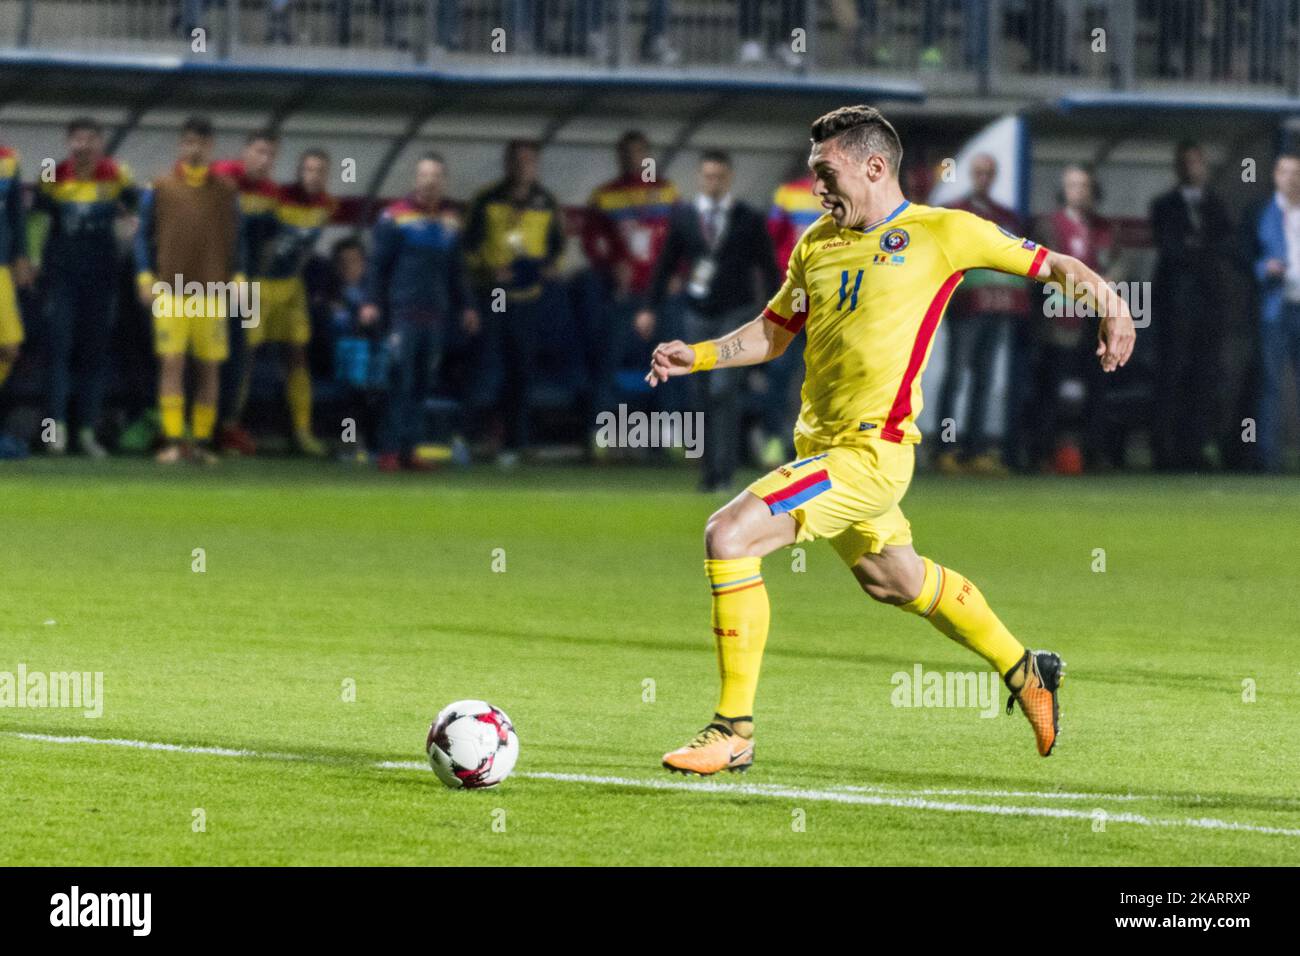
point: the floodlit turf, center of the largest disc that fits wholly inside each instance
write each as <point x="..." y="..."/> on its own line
<point x="1181" y="722"/>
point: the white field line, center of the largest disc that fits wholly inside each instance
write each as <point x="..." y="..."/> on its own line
<point x="1033" y="794"/>
<point x="900" y="799"/>
<point x="910" y="803"/>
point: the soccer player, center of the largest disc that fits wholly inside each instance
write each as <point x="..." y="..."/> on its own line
<point x="258" y="226"/>
<point x="302" y="210"/>
<point x="869" y="281"/>
<point x="83" y="200"/>
<point x="189" y="237"/>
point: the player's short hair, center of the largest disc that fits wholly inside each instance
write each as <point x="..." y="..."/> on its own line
<point x="1287" y="154"/>
<point x="262" y="136"/>
<point x="431" y="156"/>
<point x="861" y="130"/>
<point x="313" y="152"/>
<point x="86" y="123"/>
<point x="199" y="126"/>
<point x="716" y="156"/>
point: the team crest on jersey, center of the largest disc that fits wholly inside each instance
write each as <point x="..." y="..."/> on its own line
<point x="1011" y="235"/>
<point x="895" y="240"/>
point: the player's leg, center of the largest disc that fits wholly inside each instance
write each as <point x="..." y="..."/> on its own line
<point x="210" y="346"/>
<point x="60" y="317"/>
<point x="171" y="332"/>
<point x="203" y="411"/>
<point x="96" y="315"/>
<point x="254" y="337"/>
<point x="897" y="575"/>
<point x="231" y="435"/>
<point x="171" y="406"/>
<point x="736" y="538"/>
<point x="296" y="333"/>
<point x="11" y="337"/>
<point x="8" y="357"/>
<point x="297" y="388"/>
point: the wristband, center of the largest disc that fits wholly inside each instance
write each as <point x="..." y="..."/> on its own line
<point x="706" y="356"/>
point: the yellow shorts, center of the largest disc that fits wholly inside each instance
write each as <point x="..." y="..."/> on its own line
<point x="281" y="313"/>
<point x="847" y="493"/>
<point x="191" y="324"/>
<point x="11" y="322"/>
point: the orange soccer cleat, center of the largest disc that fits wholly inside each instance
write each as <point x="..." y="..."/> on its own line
<point x="714" y="748"/>
<point x="1041" y="673"/>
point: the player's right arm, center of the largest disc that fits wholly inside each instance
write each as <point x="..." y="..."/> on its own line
<point x="755" y="342"/>
<point x="759" y="340"/>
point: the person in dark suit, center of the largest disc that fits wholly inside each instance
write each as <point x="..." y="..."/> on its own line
<point x="1192" y="234"/>
<point x="731" y="270"/>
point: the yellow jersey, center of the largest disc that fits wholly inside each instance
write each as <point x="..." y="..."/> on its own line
<point x="871" y="299"/>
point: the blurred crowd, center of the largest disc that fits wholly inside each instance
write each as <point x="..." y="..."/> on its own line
<point x="1217" y="39"/>
<point x="200" y="313"/>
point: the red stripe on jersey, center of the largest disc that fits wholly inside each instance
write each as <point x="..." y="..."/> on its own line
<point x="902" y="406"/>
<point x="1039" y="256"/>
<point x="792" y="325"/>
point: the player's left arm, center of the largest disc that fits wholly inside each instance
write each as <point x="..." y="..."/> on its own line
<point x="971" y="242"/>
<point x="1116" y="335"/>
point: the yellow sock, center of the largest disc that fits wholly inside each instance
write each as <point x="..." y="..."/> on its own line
<point x="957" y="608"/>
<point x="6" y="366"/>
<point x="298" y="391"/>
<point x="202" y="420"/>
<point x="172" y="410"/>
<point x="740" y="619"/>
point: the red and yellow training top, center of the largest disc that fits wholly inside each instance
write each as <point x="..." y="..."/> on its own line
<point x="871" y="299"/>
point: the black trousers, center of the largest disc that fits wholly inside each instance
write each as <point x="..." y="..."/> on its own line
<point x="508" y="344"/>
<point x="1187" y="395"/>
<point x="717" y="394"/>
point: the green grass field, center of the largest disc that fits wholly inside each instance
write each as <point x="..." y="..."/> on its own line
<point x="319" y="576"/>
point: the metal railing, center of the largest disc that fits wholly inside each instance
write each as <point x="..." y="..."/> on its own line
<point x="1123" y="44"/>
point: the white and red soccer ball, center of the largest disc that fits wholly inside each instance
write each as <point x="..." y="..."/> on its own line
<point x="472" y="745"/>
